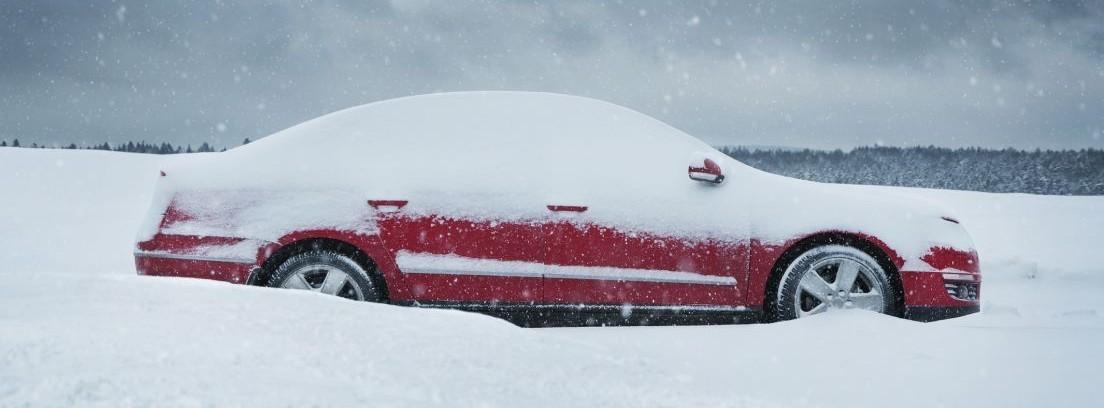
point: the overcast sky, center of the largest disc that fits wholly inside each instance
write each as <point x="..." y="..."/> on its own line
<point x="819" y="74"/>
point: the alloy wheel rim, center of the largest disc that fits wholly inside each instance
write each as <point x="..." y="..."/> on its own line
<point x="839" y="282"/>
<point x="323" y="279"/>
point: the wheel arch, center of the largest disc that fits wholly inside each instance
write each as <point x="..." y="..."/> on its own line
<point x="886" y="257"/>
<point x="276" y="253"/>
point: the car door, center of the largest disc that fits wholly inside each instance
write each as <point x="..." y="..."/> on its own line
<point x="602" y="264"/>
<point x="657" y="237"/>
<point x="460" y="260"/>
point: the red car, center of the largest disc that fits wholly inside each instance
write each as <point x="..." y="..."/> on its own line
<point x="548" y="209"/>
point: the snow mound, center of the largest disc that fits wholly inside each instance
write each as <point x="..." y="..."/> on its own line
<point x="136" y="341"/>
<point x="78" y="328"/>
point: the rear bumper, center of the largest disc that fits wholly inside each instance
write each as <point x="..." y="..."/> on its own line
<point x="226" y="259"/>
<point x="163" y="264"/>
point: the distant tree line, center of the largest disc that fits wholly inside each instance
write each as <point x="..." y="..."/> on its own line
<point x="128" y="147"/>
<point x="1061" y="172"/>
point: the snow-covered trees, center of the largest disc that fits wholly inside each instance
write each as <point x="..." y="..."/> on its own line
<point x="1067" y="172"/>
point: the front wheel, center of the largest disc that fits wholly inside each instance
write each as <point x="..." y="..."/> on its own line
<point x="328" y="272"/>
<point x="828" y="278"/>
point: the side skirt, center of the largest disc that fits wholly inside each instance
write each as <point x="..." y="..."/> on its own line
<point x="544" y="315"/>
<point x="934" y="313"/>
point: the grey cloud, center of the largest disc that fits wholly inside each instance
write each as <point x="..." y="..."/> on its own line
<point x="820" y="74"/>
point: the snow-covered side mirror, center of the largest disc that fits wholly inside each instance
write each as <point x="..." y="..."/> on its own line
<point x="706" y="170"/>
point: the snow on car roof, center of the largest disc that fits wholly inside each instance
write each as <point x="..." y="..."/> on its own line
<point x="487" y="154"/>
<point x="563" y="147"/>
<point x="530" y="120"/>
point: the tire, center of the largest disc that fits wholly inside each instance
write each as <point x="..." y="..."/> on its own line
<point x="326" y="271"/>
<point x="817" y="281"/>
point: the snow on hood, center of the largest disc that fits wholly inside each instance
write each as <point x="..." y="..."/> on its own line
<point x="497" y="155"/>
<point x="907" y="222"/>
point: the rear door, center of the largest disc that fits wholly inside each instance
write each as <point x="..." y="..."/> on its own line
<point x="450" y="259"/>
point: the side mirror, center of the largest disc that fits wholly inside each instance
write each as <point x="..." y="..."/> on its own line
<point x="707" y="171"/>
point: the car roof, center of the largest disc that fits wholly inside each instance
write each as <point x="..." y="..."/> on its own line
<point x="474" y="141"/>
<point x="535" y="120"/>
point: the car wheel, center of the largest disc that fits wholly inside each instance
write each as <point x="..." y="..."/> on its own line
<point x="831" y="277"/>
<point x="327" y="272"/>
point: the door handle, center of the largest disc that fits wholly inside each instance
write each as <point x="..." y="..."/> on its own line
<point x="567" y="208"/>
<point x="387" y="205"/>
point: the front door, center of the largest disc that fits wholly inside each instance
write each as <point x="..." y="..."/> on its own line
<point x="596" y="263"/>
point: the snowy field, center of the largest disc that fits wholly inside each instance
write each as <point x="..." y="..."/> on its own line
<point x="79" y="328"/>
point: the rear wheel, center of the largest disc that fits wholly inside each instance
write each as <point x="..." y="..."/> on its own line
<point x="831" y="277"/>
<point x="328" y="272"/>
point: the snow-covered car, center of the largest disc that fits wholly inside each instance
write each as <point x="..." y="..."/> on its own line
<point x="548" y="209"/>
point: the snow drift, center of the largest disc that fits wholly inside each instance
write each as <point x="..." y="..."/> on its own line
<point x="78" y="328"/>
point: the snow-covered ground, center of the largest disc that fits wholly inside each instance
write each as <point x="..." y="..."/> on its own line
<point x="79" y="328"/>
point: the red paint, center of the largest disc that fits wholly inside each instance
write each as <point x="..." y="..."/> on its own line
<point x="475" y="288"/>
<point x="761" y="260"/>
<point x="587" y="244"/>
<point x="926" y="289"/>
<point x="553" y="240"/>
<point x="183" y="244"/>
<point x="949" y="258"/>
<point x="174" y="215"/>
<point x="709" y="167"/>
<point x="560" y="242"/>
<point x="222" y="271"/>
<point x="504" y="241"/>
<point x="709" y="172"/>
